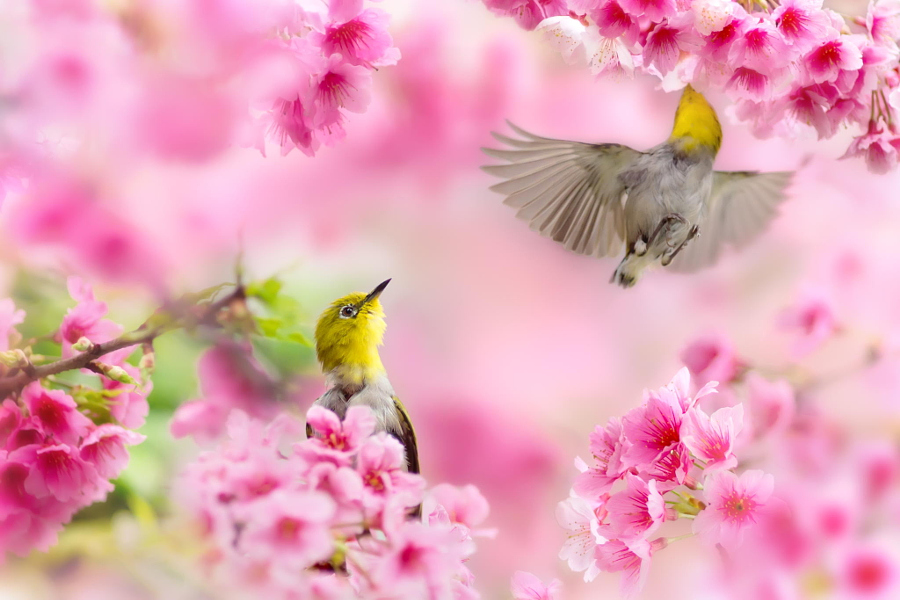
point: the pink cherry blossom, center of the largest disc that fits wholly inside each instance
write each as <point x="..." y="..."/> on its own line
<point x="718" y="43"/>
<point x="655" y="10"/>
<point x="632" y="559"/>
<point x="802" y="23"/>
<point x="826" y="61"/>
<point x="229" y="379"/>
<point x="665" y="43"/>
<point x="883" y="21"/>
<point x="10" y="418"/>
<point x="711" y="15"/>
<point x="419" y="561"/>
<point x="879" y="146"/>
<point x="380" y="464"/>
<point x="340" y="86"/>
<point x="813" y="318"/>
<point x="753" y="85"/>
<point x="129" y="407"/>
<point x="360" y="37"/>
<point x="711" y="437"/>
<point x="671" y="467"/>
<point x="294" y="525"/>
<point x="733" y="504"/>
<point x="58" y="471"/>
<point x="464" y="505"/>
<point x="760" y="47"/>
<point x="614" y="21"/>
<point x="869" y="572"/>
<point x="104" y="448"/>
<point x="85" y="319"/>
<point x="576" y="516"/>
<point x="771" y="405"/>
<point x="336" y="438"/>
<point x="9" y="318"/>
<point x="606" y="444"/>
<point x="526" y="586"/>
<point x="55" y="413"/>
<point x="651" y="428"/>
<point x="637" y="511"/>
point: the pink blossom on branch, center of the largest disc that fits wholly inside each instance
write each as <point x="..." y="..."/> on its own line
<point x="733" y="505"/>
<point x="794" y="63"/>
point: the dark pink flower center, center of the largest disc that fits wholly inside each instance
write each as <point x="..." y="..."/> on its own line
<point x="350" y="36"/>
<point x="792" y="22"/>
<point x="8" y="424"/>
<point x="12" y="480"/>
<point x="288" y="529"/>
<point x="869" y="574"/>
<point x="724" y="35"/>
<point x="665" y="40"/>
<point x="334" y="88"/>
<point x="50" y="414"/>
<point x="374" y="481"/>
<point x="738" y="508"/>
<point x="828" y="55"/>
<point x="614" y="18"/>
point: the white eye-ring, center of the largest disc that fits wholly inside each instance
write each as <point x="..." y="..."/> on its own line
<point x="348" y="311"/>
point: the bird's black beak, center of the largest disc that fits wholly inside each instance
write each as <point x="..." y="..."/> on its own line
<point x="375" y="293"/>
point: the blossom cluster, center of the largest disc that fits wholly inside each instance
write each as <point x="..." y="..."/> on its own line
<point x="787" y="65"/>
<point x="663" y="460"/>
<point x="62" y="443"/>
<point x="332" y="53"/>
<point x="93" y="95"/>
<point x="241" y="70"/>
<point x="834" y="520"/>
<point x="332" y="516"/>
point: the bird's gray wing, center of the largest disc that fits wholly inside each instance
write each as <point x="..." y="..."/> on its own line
<point x="407" y="436"/>
<point x="568" y="191"/>
<point x="740" y="206"/>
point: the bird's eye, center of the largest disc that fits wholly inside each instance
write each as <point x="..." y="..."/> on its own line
<point x="348" y="311"/>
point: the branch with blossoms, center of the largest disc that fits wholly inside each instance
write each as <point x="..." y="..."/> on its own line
<point x="79" y="326"/>
<point x="675" y="461"/>
<point x="63" y="440"/>
<point x="788" y="66"/>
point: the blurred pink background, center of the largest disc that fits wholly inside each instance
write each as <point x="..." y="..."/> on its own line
<point x="506" y="349"/>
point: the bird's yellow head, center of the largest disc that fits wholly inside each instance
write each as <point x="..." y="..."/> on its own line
<point x="348" y="335"/>
<point x="696" y="125"/>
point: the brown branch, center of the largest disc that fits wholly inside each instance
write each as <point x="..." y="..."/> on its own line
<point x="16" y="380"/>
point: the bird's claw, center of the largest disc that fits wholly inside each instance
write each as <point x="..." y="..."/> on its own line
<point x="668" y="258"/>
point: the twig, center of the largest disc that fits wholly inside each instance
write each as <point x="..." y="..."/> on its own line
<point x="17" y="379"/>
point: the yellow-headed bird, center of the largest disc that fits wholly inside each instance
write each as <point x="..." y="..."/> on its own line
<point x="347" y="338"/>
<point x="594" y="197"/>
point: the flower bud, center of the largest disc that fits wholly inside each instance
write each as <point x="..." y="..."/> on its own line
<point x="82" y="345"/>
<point x="13" y="358"/>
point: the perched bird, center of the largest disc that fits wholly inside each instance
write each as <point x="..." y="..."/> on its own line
<point x="667" y="204"/>
<point x="347" y="338"/>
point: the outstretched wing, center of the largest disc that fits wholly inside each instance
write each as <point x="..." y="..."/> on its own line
<point x="407" y="436"/>
<point x="740" y="207"/>
<point x="568" y="191"/>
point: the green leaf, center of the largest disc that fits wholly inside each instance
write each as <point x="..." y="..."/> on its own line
<point x="267" y="290"/>
<point x="300" y="339"/>
<point x="269" y="327"/>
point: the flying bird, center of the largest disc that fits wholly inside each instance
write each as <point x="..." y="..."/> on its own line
<point x="667" y="204"/>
